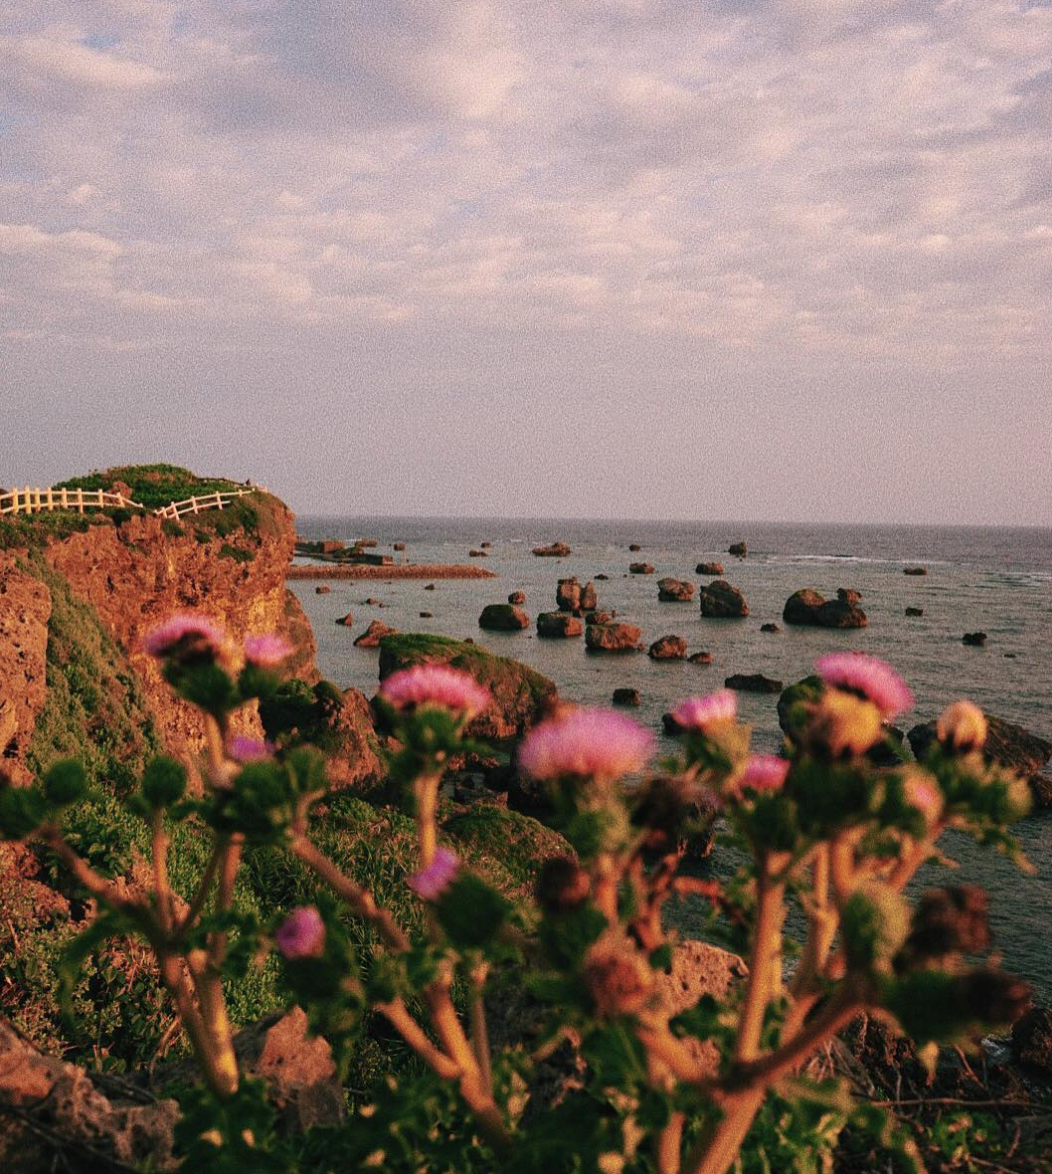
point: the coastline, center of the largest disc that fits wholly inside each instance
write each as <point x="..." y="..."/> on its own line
<point x="404" y="571"/>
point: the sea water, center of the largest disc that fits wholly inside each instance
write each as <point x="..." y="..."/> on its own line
<point x="997" y="580"/>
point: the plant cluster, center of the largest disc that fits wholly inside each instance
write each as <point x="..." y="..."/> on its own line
<point x="824" y="828"/>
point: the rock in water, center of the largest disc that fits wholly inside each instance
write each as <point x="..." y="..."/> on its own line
<point x="520" y="695"/>
<point x="753" y="683"/>
<point x="709" y="569"/>
<point x="739" y="549"/>
<point x="346" y="621"/>
<point x="634" y="546"/>
<point x="675" y="591"/>
<point x="641" y="569"/>
<point x="612" y="637"/>
<point x="974" y="639"/>
<point x="503" y="617"/>
<point x="627" y="697"/>
<point x="323" y="590"/>
<point x="914" y="570"/>
<point x="372" y="635"/>
<point x="589" y="599"/>
<point x="722" y="601"/>
<point x="915" y="611"/>
<point x="555" y="550"/>
<point x="700" y="658"/>
<point x="568" y="595"/>
<point x="558" y="624"/>
<point x="668" y="648"/>
<point x="1007" y="745"/>
<point x="769" y="628"/>
<point x="517" y="598"/>
<point x="808" y="608"/>
<point x="848" y="595"/>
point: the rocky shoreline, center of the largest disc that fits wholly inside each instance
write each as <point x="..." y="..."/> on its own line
<point x="405" y="571"/>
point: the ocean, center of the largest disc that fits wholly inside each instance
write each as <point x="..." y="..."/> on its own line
<point x="997" y="580"/>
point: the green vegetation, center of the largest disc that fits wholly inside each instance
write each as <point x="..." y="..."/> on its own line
<point x="21" y="531"/>
<point x="236" y="553"/>
<point x="152" y="486"/>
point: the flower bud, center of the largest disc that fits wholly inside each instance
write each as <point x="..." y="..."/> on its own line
<point x="843" y="724"/>
<point x="949" y="921"/>
<point x="961" y="728"/>
<point x="618" y="978"/>
<point x="562" y="884"/>
<point x="922" y="793"/>
<point x="302" y="934"/>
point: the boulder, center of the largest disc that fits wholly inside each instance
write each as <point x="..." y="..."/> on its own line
<point x="602" y="577"/>
<point x="627" y="697"/>
<point x="346" y="621"/>
<point x="915" y="611"/>
<point x="1007" y="745"/>
<point x="710" y="570"/>
<point x="974" y="639"/>
<point x="323" y="590"/>
<point x="809" y="608"/>
<point x="568" y="595"/>
<point x="427" y="615"/>
<point x="739" y="549"/>
<point x="613" y="637"/>
<point x="914" y="570"/>
<point x="372" y="635"/>
<point x="848" y="595"/>
<point x="634" y="546"/>
<point x="668" y="648"/>
<point x="700" y="658"/>
<point x="520" y="695"/>
<point x="753" y="683"/>
<point x="699" y="969"/>
<point x="430" y="587"/>
<point x="598" y="617"/>
<point x="1032" y="1040"/>
<point x="503" y="617"/>
<point x="589" y="598"/>
<point x="558" y="625"/>
<point x="554" y="550"/>
<point x="769" y="628"/>
<point x="517" y="598"/>
<point x="722" y="601"/>
<point x="641" y="568"/>
<point x="478" y="554"/>
<point x="675" y="591"/>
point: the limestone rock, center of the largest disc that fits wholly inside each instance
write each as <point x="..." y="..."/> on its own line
<point x="809" y="608"/>
<point x="372" y="635"/>
<point x="627" y="697"/>
<point x="719" y="600"/>
<point x="517" y="598"/>
<point x="709" y="570"/>
<point x="641" y="569"/>
<point x="753" y="683"/>
<point x="554" y="550"/>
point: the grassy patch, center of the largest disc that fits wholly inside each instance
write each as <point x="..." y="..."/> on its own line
<point x="151" y="485"/>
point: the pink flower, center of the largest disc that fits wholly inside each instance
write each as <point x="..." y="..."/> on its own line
<point x="244" y="749"/>
<point x="698" y="713"/>
<point x="267" y="651"/>
<point x="869" y="677"/>
<point x="587" y="742"/>
<point x="435" y="685"/>
<point x="764" y="772"/>
<point x="923" y="793"/>
<point x="431" y="882"/>
<point x="185" y="633"/>
<point x="302" y="934"/>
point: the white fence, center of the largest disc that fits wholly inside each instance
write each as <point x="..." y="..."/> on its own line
<point x="34" y="501"/>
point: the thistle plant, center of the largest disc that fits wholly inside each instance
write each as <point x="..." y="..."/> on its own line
<point x="824" y="828"/>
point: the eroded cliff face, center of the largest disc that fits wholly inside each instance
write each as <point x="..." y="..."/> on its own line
<point x="25" y="607"/>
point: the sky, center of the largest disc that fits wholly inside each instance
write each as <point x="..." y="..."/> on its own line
<point x="736" y="259"/>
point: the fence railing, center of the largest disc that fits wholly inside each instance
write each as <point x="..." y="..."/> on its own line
<point x="33" y="501"/>
<point x="200" y="505"/>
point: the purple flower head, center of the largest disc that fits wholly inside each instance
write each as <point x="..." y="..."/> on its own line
<point x="596" y="743"/>
<point x="764" y="772"/>
<point x="267" y="651"/>
<point x="873" y="679"/>
<point x="189" y="637"/>
<point x="244" y="749"/>
<point x="435" y="685"/>
<point x="301" y="934"/>
<point x="431" y="882"/>
<point x="699" y="713"/>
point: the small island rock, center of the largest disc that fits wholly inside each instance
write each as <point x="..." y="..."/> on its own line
<point x="558" y="625"/>
<point x="675" y="591"/>
<point x="641" y="569"/>
<point x="722" y="601"/>
<point x="568" y="595"/>
<point x="915" y="611"/>
<point x="517" y="598"/>
<point x="974" y="639"/>
<point x="709" y="569"/>
<point x="914" y="570"/>
<point x="668" y="648"/>
<point x="769" y="628"/>
<point x="700" y="658"/>
<point x="809" y="608"/>
<point x="753" y="683"/>
<point x="612" y="637"/>
<point x="503" y="617"/>
<point x="372" y="635"/>
<point x="347" y="620"/>
<point x="554" y="550"/>
<point x="323" y="590"/>
<point x="739" y="549"/>
<point x="627" y="697"/>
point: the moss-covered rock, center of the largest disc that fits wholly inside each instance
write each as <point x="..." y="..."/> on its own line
<point x="520" y="695"/>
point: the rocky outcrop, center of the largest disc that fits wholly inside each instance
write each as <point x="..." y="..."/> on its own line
<point x="568" y="595"/>
<point x="699" y="969"/>
<point x="346" y="621"/>
<point x="372" y="635"/>
<point x="589" y="598"/>
<point x="554" y="550"/>
<point x="641" y="568"/>
<point x="63" y="1120"/>
<point x="1007" y="745"/>
<point x="807" y="608"/>
<point x="668" y="648"/>
<point x="25" y="608"/>
<point x="558" y="625"/>
<point x="520" y="695"/>
<point x="719" y="600"/>
<point x="503" y="617"/>
<point x="709" y="570"/>
<point x="614" y="637"/>
<point x="753" y="683"/>
<point x="675" y="591"/>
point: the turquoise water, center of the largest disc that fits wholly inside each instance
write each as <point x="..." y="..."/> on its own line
<point x="996" y="580"/>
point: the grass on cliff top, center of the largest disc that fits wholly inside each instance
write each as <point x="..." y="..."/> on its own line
<point x="151" y="485"/>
